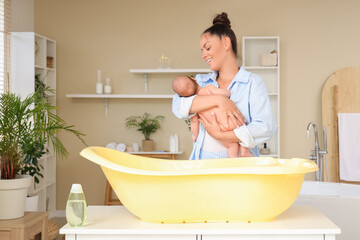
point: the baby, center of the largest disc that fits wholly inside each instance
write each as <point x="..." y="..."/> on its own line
<point x="186" y="86"/>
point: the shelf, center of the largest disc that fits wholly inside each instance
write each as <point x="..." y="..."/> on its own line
<point x="261" y="67"/>
<point x="128" y="96"/>
<point x="37" y="190"/>
<point x="276" y="38"/>
<point x="171" y="70"/>
<point x="105" y="96"/>
<point x="50" y="183"/>
<point x="145" y="71"/>
<point x="39" y="67"/>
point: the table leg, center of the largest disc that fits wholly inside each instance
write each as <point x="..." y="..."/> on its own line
<point x="44" y="227"/>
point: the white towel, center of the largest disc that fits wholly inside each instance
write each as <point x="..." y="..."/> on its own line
<point x="349" y="146"/>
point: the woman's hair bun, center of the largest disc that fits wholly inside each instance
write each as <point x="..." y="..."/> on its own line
<point x="222" y="19"/>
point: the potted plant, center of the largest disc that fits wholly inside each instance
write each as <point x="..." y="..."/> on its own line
<point x="146" y="125"/>
<point x="26" y="126"/>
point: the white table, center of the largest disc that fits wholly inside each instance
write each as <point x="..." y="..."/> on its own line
<point x="116" y="222"/>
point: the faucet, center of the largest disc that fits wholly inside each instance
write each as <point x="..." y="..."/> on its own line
<point x="318" y="154"/>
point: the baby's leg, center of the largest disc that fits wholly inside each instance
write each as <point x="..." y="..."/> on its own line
<point x="244" y="152"/>
<point x="233" y="150"/>
<point x="194" y="123"/>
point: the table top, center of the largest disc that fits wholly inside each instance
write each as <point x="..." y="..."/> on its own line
<point x="29" y="219"/>
<point x="118" y="220"/>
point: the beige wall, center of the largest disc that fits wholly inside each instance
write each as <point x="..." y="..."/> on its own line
<point x="22" y="15"/>
<point x="317" y="38"/>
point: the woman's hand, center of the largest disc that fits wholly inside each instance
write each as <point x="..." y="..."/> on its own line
<point x="213" y="129"/>
<point x="229" y="109"/>
<point x="211" y="125"/>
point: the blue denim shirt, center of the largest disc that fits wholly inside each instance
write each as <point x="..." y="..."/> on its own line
<point x="249" y="93"/>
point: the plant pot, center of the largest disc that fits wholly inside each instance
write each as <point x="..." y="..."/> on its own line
<point x="13" y="196"/>
<point x="148" y="145"/>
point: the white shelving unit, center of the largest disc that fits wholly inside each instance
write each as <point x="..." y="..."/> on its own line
<point x="29" y="52"/>
<point x="252" y="48"/>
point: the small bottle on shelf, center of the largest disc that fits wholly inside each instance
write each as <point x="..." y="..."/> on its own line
<point x="265" y="150"/>
<point x="99" y="85"/>
<point x="107" y="87"/>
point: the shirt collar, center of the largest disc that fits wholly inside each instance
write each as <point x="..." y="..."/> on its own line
<point x="241" y="76"/>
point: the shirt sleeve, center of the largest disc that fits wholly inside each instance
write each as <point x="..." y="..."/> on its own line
<point x="262" y="124"/>
<point x="244" y="135"/>
<point x="181" y="106"/>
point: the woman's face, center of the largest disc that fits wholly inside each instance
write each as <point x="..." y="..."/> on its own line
<point x="213" y="50"/>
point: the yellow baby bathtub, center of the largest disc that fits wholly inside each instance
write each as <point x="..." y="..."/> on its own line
<point x="212" y="190"/>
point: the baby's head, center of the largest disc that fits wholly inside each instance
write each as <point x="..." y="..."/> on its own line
<point x="184" y="86"/>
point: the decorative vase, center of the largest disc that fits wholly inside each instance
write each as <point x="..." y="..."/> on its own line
<point x="148" y="145"/>
<point x="13" y="196"/>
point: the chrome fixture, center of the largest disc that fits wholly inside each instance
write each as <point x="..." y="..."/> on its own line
<point x="318" y="155"/>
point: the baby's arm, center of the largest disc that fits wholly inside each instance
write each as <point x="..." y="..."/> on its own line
<point x="211" y="90"/>
<point x="194" y="123"/>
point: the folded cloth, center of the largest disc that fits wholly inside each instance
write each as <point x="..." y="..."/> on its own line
<point x="121" y="147"/>
<point x="111" y="145"/>
<point x="349" y="146"/>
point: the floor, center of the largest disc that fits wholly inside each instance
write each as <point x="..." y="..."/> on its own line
<point x="60" y="221"/>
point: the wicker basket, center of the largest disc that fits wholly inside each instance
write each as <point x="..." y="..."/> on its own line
<point x="49" y="62"/>
<point x="53" y="230"/>
<point x="268" y="59"/>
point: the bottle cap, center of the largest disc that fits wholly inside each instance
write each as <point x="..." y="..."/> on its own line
<point x="76" y="188"/>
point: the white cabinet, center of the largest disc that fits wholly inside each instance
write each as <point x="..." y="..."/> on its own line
<point x="255" y="237"/>
<point x="253" y="49"/>
<point x="135" y="237"/>
<point x="35" y="54"/>
<point x="116" y="222"/>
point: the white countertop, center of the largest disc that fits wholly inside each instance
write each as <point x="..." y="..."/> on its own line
<point x="118" y="220"/>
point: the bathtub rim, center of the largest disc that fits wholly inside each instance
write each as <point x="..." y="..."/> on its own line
<point x="91" y="155"/>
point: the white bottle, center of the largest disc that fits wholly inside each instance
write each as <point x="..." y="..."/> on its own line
<point x="76" y="209"/>
<point x="176" y="142"/>
<point x="107" y="87"/>
<point x="136" y="147"/>
<point x="172" y="143"/>
<point x="99" y="85"/>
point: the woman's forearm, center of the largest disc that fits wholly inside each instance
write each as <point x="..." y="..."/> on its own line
<point x="228" y="136"/>
<point x="213" y="128"/>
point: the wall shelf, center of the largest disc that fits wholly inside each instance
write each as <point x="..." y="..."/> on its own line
<point x="145" y="71"/>
<point x="125" y="96"/>
<point x="105" y="96"/>
<point x="260" y="67"/>
<point x="171" y="70"/>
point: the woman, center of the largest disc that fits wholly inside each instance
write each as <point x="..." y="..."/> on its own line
<point x="249" y="104"/>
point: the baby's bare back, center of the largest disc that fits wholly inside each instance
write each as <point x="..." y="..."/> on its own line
<point x="211" y="90"/>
